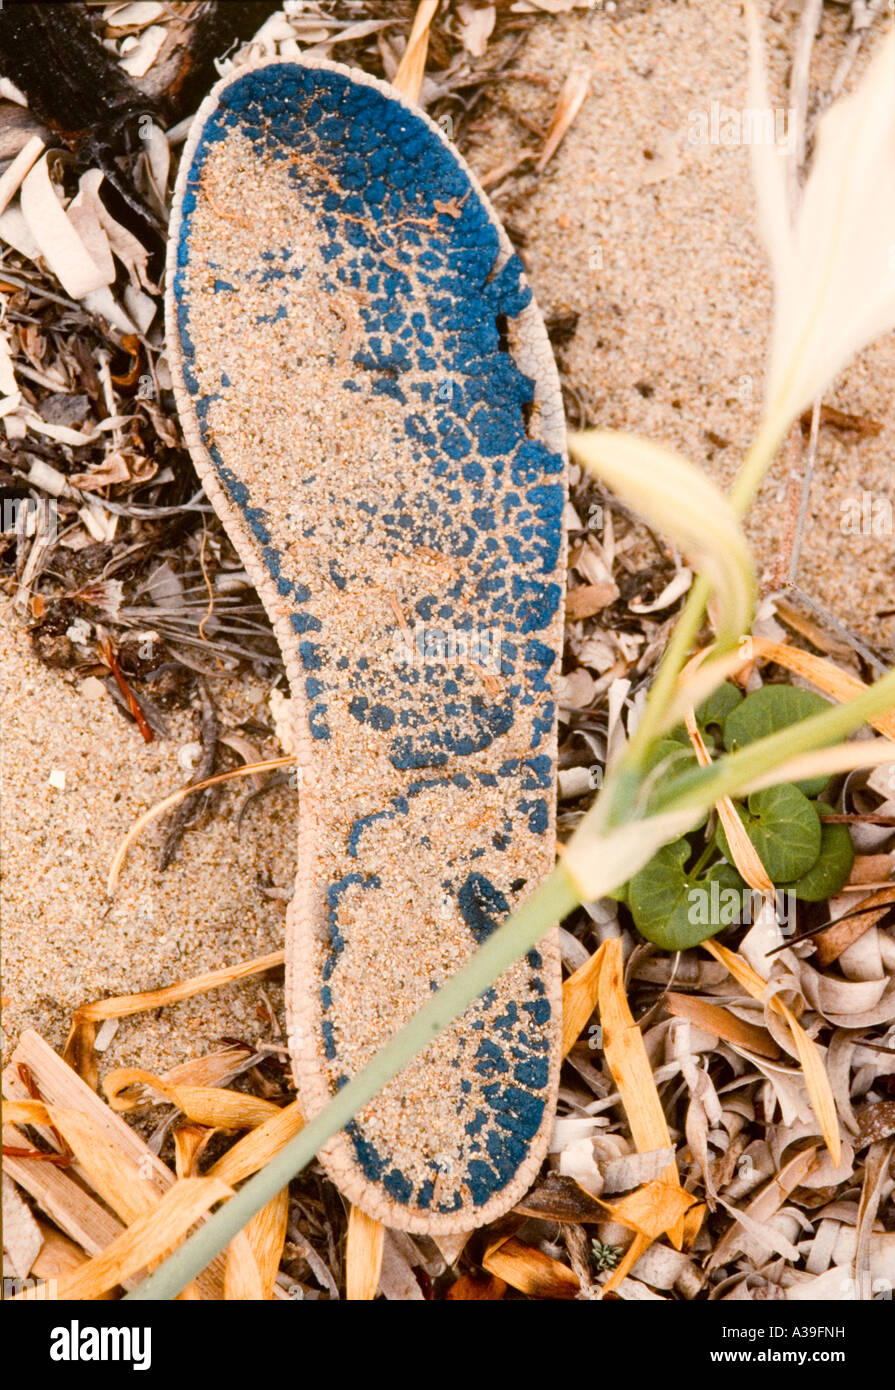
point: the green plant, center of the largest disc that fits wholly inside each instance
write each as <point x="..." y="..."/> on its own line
<point x="691" y="889"/>
<point x="605" y="1257"/>
<point x="834" y="292"/>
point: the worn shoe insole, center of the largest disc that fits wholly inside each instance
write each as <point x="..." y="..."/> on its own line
<point x="368" y="393"/>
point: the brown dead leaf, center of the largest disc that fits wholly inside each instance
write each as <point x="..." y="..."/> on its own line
<point x="529" y="1270"/>
<point x="816" y="1080"/>
<point x="561" y="1198"/>
<point x="717" y="1020"/>
<point x="363" y="1256"/>
<point x="588" y="599"/>
<point x="469" y="1289"/>
<point x="835" y="939"/>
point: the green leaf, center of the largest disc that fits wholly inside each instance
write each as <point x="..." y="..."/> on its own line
<point x="676" y="910"/>
<point x="677" y="760"/>
<point x="768" y="710"/>
<point x="711" y="714"/>
<point x="831" y="871"/>
<point x="784" y="827"/>
<point x="670" y="751"/>
<point x="714" y="711"/>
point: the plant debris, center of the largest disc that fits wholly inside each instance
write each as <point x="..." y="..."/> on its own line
<point x="763" y="1064"/>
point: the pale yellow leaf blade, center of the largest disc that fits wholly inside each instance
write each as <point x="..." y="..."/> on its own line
<point x="412" y="69"/>
<point x="213" y="1106"/>
<point x="242" y="1277"/>
<point x="254" y="1149"/>
<point x="363" y="1256"/>
<point x="114" y="1176"/>
<point x="579" y="998"/>
<point x="147" y="1240"/>
<point x="816" y="1080"/>
<point x="681" y="501"/>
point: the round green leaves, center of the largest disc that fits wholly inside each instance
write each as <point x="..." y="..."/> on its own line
<point x="675" y="909"/>
<point x="784" y="827"/>
<point x="690" y="889"/>
<point x="768" y="710"/>
<point x="830" y="871"/>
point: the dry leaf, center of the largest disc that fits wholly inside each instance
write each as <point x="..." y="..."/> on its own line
<point x="721" y="1022"/>
<point x="529" y="1270"/>
<point x="765" y="1203"/>
<point x="571" y="99"/>
<point x="588" y="599"/>
<point x="242" y="1277"/>
<point x="816" y="1079"/>
<point x="190" y="1142"/>
<point x="409" y="78"/>
<point x="147" y="1240"/>
<point x="21" y="1234"/>
<point x="266" y="1234"/>
<point x="363" y="1256"/>
<point x="627" y="1060"/>
<point x="652" y="1209"/>
<point x="204" y="1105"/>
<point x="561" y="1199"/>
<point x="111" y="1174"/>
<point x="579" y="999"/>
<point x="253" y="1151"/>
<point x="476" y="26"/>
<point x="58" y="240"/>
<point x="12" y="176"/>
<point x="834" y="940"/>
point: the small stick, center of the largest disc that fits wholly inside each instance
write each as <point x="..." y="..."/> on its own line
<point x="108" y="655"/>
<point x="16" y="1151"/>
<point x="207" y="585"/>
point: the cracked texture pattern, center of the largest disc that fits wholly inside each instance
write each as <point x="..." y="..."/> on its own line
<point x="368" y="393"/>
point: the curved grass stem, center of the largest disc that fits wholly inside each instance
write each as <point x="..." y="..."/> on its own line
<point x="746" y="484"/>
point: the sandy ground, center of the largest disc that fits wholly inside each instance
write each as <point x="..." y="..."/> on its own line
<point x="651" y="241"/>
<point x="64" y="943"/>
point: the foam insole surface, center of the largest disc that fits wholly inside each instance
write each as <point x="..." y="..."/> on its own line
<point x="368" y="393"/>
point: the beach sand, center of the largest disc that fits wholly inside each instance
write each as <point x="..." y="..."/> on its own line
<point x="651" y="241"/>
